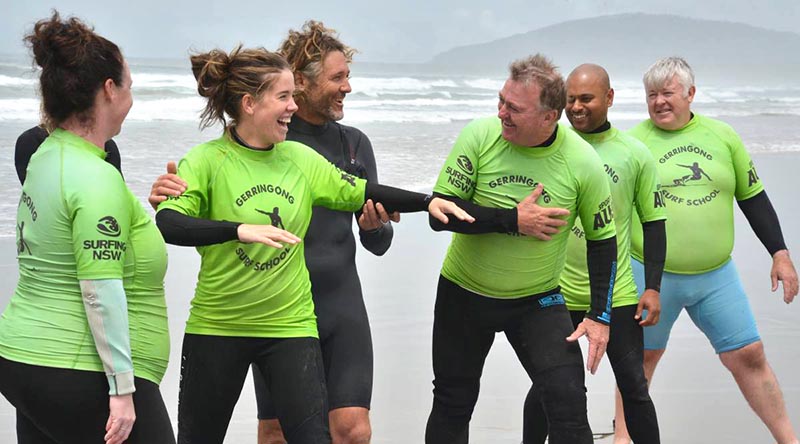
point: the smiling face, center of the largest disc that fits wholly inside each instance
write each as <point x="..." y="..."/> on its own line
<point x="669" y="105"/>
<point x="270" y="114"/>
<point x="588" y="100"/>
<point x="519" y="110"/>
<point x="324" y="96"/>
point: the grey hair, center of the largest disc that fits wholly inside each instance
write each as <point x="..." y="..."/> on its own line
<point x="540" y="69"/>
<point x="663" y="70"/>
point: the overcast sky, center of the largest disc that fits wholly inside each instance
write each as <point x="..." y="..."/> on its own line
<point x="405" y="31"/>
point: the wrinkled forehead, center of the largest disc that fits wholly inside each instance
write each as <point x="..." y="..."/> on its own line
<point x="521" y="93"/>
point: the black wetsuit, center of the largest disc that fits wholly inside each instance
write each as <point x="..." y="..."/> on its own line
<point x="29" y="141"/>
<point x="330" y="250"/>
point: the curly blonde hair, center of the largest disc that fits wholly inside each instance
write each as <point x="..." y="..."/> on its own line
<point x="306" y="49"/>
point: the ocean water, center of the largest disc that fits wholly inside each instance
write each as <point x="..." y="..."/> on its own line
<point x="412" y="119"/>
<point x="411" y="115"/>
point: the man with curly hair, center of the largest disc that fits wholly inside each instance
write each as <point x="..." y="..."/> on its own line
<point x="321" y="66"/>
<point x="320" y="63"/>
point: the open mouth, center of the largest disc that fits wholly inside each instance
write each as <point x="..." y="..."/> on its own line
<point x="579" y="117"/>
<point x="284" y="122"/>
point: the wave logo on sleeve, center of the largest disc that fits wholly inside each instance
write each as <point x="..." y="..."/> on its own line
<point x="465" y="164"/>
<point x="108" y="226"/>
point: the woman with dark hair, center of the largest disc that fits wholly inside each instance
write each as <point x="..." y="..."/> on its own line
<point x="83" y="340"/>
<point x="253" y="303"/>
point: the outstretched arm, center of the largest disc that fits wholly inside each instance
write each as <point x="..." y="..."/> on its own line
<point x="180" y="229"/>
<point x="403" y="201"/>
<point x="527" y="218"/>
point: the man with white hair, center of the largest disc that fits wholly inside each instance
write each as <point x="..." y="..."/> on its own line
<point x="700" y="215"/>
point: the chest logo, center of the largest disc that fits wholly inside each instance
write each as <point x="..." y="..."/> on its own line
<point x="696" y="174"/>
<point x="274" y="217"/>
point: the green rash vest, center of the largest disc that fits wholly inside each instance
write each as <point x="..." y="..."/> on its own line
<point x="253" y="290"/>
<point x="488" y="170"/>
<point x="77" y="220"/>
<point x="702" y="167"/>
<point x="631" y="172"/>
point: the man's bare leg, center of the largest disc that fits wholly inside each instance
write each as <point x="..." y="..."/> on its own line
<point x="270" y="432"/>
<point x="760" y="388"/>
<point x="350" y="425"/>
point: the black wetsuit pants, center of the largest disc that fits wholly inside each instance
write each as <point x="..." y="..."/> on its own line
<point x="63" y="406"/>
<point x="536" y="326"/>
<point x="625" y="352"/>
<point x="214" y="368"/>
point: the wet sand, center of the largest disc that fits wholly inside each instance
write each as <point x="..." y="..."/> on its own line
<point x="697" y="399"/>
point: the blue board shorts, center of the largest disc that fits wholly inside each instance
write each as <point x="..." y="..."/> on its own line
<point x="715" y="301"/>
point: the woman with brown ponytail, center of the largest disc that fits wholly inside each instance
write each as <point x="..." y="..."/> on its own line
<point x="83" y="340"/>
<point x="246" y="208"/>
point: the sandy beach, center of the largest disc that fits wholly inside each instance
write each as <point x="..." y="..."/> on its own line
<point x="697" y="400"/>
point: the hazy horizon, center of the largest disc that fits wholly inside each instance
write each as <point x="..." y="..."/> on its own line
<point x="411" y="32"/>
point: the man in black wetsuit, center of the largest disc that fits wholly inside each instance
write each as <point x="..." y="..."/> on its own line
<point x="321" y="66"/>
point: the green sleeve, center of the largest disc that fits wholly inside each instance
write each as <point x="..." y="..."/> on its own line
<point x="649" y="202"/>
<point x="748" y="184"/>
<point x="330" y="187"/>
<point x="195" y="169"/>
<point x="101" y="223"/>
<point x="107" y="314"/>
<point x="594" y="199"/>
<point x="460" y="171"/>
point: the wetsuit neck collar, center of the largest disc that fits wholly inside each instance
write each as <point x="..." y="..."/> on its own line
<point x="602" y="133"/>
<point x="240" y="141"/>
<point x="604" y="127"/>
<point x="549" y="140"/>
<point x="546" y="148"/>
<point x="301" y="126"/>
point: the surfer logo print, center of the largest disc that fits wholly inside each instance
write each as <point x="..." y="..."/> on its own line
<point x="691" y="175"/>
